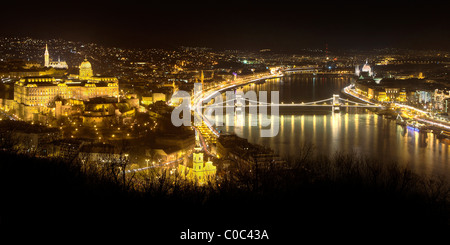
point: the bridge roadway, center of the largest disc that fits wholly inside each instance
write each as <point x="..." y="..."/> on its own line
<point x="208" y="94"/>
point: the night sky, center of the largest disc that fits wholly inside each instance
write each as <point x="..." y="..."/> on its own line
<point x="279" y="25"/>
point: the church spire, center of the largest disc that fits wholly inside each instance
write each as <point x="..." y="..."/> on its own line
<point x="46" y="57"/>
<point x="202" y="77"/>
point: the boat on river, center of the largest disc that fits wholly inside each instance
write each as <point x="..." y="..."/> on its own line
<point x="415" y="126"/>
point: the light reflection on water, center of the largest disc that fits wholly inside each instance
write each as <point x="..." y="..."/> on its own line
<point x="364" y="134"/>
<point x="355" y="130"/>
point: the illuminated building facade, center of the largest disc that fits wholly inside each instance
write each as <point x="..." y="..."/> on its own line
<point x="55" y="64"/>
<point x="59" y="64"/>
<point x="201" y="171"/>
<point x="381" y="93"/>
<point x="33" y="94"/>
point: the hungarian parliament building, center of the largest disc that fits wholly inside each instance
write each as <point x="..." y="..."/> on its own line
<point x="34" y="95"/>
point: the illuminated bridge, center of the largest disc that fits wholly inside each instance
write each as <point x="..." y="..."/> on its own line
<point x="335" y="103"/>
<point x="313" y="70"/>
<point x="208" y="132"/>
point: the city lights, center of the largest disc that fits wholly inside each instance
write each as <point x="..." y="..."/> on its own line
<point x="242" y="121"/>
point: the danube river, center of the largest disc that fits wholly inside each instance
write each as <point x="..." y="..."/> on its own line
<point x="352" y="130"/>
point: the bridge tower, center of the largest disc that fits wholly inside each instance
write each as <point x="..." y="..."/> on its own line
<point x="239" y="104"/>
<point x="336" y="103"/>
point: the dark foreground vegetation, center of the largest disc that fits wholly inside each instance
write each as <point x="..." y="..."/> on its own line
<point x="335" y="197"/>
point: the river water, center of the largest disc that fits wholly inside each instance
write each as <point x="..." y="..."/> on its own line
<point x="353" y="130"/>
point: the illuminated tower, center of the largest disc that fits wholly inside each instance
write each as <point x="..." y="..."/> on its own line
<point x="174" y="87"/>
<point x="46" y="57"/>
<point x="197" y="165"/>
<point x="357" y="70"/>
<point x="421" y="76"/>
<point x="202" y="77"/>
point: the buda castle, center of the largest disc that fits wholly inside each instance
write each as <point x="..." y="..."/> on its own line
<point x="38" y="94"/>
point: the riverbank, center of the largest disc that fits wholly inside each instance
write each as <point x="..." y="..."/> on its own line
<point x="353" y="130"/>
<point x="420" y="122"/>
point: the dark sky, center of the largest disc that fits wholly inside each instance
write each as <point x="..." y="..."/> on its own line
<point x="279" y="25"/>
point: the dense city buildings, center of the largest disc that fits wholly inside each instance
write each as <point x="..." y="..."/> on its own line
<point x="140" y="84"/>
<point x="224" y="122"/>
<point x="420" y="87"/>
<point x="119" y="125"/>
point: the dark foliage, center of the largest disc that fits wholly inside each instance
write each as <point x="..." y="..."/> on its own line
<point x="314" y="197"/>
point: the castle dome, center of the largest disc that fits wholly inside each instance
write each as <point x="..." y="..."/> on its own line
<point x="366" y="68"/>
<point x="86" y="64"/>
<point x="86" y="70"/>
